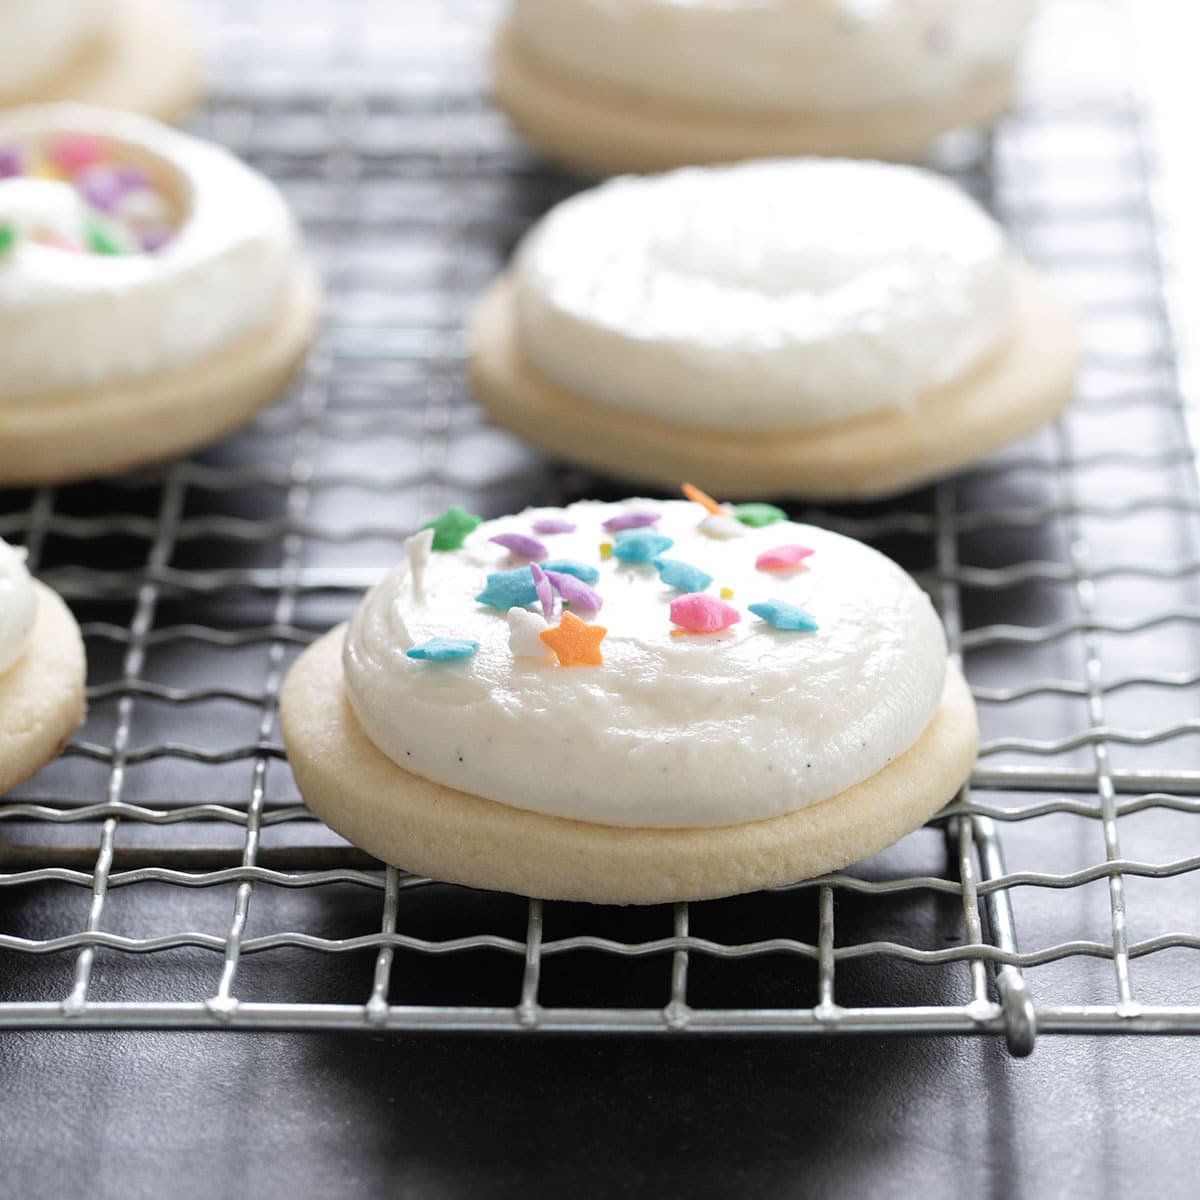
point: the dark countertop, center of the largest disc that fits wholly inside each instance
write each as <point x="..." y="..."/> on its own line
<point x="190" y="1115"/>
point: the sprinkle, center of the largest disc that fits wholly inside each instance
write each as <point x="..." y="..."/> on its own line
<point x="630" y="520"/>
<point x="11" y="162"/>
<point x="553" y="525"/>
<point x="452" y="527"/>
<point x="683" y="577"/>
<point x="575" y="592"/>
<point x="44" y="170"/>
<point x="781" y="615"/>
<point x="694" y="494"/>
<point x="727" y="593"/>
<point x="133" y="179"/>
<point x="153" y="237"/>
<point x="636" y="545"/>
<point x="524" y="634"/>
<point x="507" y="589"/>
<point x="569" y="566"/>
<point x="575" y="643"/>
<point x="782" y="558"/>
<point x="758" y="515"/>
<point x="520" y="544"/>
<point x="417" y="549"/>
<point x="99" y="241"/>
<point x="101" y="187"/>
<point x="722" y="526"/>
<point x="8" y="238"/>
<point x="76" y="152"/>
<point x="606" y="550"/>
<point x="443" y="649"/>
<point x="703" y="614"/>
<point x="541" y="586"/>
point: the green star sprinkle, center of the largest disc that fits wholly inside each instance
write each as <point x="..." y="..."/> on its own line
<point x="100" y="242"/>
<point x="452" y="527"/>
<point x="758" y="515"/>
<point x="8" y="237"/>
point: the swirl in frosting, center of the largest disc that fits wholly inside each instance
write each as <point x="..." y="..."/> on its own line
<point x="127" y="249"/>
<point x="774" y="295"/>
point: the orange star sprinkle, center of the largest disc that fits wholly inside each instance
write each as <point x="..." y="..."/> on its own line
<point x="575" y="642"/>
<point x="694" y="494"/>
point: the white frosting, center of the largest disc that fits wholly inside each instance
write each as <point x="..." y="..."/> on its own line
<point x="777" y="55"/>
<point x="78" y="320"/>
<point x="697" y="730"/>
<point x="41" y="36"/>
<point x="18" y="605"/>
<point x="780" y="294"/>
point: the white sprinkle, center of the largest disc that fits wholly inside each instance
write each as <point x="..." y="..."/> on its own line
<point x="418" y="548"/>
<point x="722" y="526"/>
<point x="524" y="638"/>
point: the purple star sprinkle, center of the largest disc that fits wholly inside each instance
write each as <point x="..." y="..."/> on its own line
<point x="541" y="584"/>
<point x="553" y="525"/>
<point x="11" y="162"/>
<point x="630" y="520"/>
<point x="575" y="592"/>
<point x="101" y="188"/>
<point x="132" y="179"/>
<point x="154" y="237"/>
<point x="519" y="543"/>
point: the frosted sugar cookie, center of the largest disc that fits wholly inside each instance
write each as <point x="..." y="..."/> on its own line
<point x="153" y="294"/>
<point x="818" y="328"/>
<point x="643" y="85"/>
<point x="630" y="704"/>
<point x="42" y="672"/>
<point x="137" y="55"/>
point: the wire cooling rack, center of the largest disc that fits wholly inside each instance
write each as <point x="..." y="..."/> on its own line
<point x="164" y="873"/>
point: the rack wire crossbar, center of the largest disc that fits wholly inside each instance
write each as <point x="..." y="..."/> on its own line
<point x="164" y="872"/>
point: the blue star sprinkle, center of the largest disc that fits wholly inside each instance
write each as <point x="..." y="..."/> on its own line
<point x="681" y="576"/>
<point x="509" y="589"/>
<point x="443" y="649"/>
<point x="571" y="566"/>
<point x="640" y="545"/>
<point x="781" y="615"/>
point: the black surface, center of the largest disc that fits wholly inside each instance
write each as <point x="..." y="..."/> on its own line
<point x="320" y="1116"/>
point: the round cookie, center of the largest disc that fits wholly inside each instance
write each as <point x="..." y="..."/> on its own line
<point x="742" y="749"/>
<point x="135" y="55"/>
<point x="42" y="673"/>
<point x="610" y="86"/>
<point x="171" y="270"/>
<point x="820" y="328"/>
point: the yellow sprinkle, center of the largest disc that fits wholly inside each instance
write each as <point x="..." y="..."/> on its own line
<point x="727" y="593"/>
<point x="679" y="633"/>
<point x="44" y="170"/>
<point x="606" y="549"/>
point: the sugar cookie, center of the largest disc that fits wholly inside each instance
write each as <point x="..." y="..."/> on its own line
<point x="818" y="328"/>
<point x="609" y="86"/>
<point x="794" y="714"/>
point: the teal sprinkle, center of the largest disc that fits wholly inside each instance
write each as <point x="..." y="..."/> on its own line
<point x="571" y="566"/>
<point x="758" y="515"/>
<point x="443" y="649"/>
<point x="781" y="615"/>
<point x="640" y="545"/>
<point x="683" y="577"/>
<point x="509" y="589"/>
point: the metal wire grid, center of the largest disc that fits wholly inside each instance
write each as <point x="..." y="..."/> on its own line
<point x="198" y="583"/>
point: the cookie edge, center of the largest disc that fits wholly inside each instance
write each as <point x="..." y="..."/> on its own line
<point x="429" y="829"/>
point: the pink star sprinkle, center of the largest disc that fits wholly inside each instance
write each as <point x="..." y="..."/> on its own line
<point x="698" y="613"/>
<point x="782" y="558"/>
